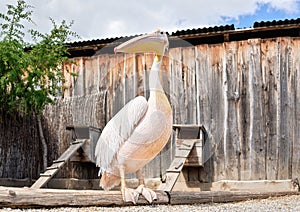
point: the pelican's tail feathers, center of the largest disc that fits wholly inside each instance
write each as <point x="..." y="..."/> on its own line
<point x="108" y="181"/>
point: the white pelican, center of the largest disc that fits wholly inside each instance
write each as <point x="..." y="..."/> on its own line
<point x="139" y="131"/>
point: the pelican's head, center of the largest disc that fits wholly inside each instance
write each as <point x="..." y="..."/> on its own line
<point x="155" y="42"/>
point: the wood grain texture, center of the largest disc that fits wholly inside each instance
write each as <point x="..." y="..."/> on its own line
<point x="30" y="198"/>
<point x="42" y="198"/>
<point x="221" y="196"/>
<point x="245" y="93"/>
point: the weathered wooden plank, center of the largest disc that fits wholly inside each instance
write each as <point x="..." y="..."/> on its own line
<point x="32" y="198"/>
<point x="254" y="186"/>
<point x="167" y="153"/>
<point x="290" y="120"/>
<point x="189" y="76"/>
<point x="182" y="152"/>
<point x="28" y="198"/>
<point x="177" y="164"/>
<point x="118" y="72"/>
<point x="173" y="172"/>
<point x="216" y="109"/>
<point x="101" y="109"/>
<point x="103" y="71"/>
<point x="256" y="126"/>
<point x="221" y="196"/>
<point x="270" y="68"/>
<point x="41" y="181"/>
<point x="210" y="62"/>
<point x="70" y="151"/>
<point x="195" y="158"/>
<point x="233" y="185"/>
<point x="295" y="107"/>
<point x="243" y="108"/>
<point x="176" y="87"/>
<point x="140" y="74"/>
<point x="171" y="178"/>
<point x="54" y="168"/>
<point x="284" y="141"/>
<point x="165" y="75"/>
<point x="79" y="81"/>
<point x="130" y="82"/>
<point x="91" y="75"/>
<point x="231" y="129"/>
<point x="182" y="184"/>
<point x="68" y="78"/>
<point x="108" y="75"/>
<point x="204" y="93"/>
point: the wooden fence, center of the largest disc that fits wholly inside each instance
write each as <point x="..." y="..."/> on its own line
<point x="245" y="93"/>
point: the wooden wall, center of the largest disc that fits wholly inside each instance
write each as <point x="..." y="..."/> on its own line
<point x="245" y="93"/>
<point x="19" y="145"/>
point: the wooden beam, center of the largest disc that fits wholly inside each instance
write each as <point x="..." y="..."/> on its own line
<point x="58" y="164"/>
<point x="221" y="196"/>
<point x="233" y="185"/>
<point x="31" y="198"/>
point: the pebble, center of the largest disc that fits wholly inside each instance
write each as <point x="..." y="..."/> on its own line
<point x="285" y="203"/>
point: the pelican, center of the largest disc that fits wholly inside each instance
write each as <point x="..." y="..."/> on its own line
<point x="140" y="130"/>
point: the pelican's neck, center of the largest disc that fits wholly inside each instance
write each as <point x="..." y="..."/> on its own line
<point x="154" y="81"/>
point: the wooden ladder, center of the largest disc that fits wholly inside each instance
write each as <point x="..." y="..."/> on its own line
<point x="173" y="172"/>
<point x="58" y="164"/>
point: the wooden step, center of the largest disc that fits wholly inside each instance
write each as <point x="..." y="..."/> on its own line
<point x="172" y="173"/>
<point x="57" y="164"/>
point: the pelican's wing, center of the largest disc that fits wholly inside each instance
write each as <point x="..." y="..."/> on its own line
<point x="118" y="130"/>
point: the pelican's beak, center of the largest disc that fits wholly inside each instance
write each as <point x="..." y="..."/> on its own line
<point x="155" y="42"/>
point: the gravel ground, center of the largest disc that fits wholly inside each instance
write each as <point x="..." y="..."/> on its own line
<point x="285" y="203"/>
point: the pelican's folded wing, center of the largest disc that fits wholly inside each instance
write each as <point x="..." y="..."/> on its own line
<point x="118" y="130"/>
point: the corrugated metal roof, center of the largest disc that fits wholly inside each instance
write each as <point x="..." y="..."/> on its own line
<point x="276" y="23"/>
<point x="209" y="35"/>
<point x="204" y="30"/>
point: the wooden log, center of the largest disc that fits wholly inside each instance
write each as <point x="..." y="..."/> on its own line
<point x="32" y="198"/>
<point x="232" y="185"/>
<point x="221" y="196"/>
<point x="28" y="198"/>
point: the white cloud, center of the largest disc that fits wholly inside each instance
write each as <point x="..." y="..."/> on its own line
<point x="111" y="18"/>
<point x="289" y="6"/>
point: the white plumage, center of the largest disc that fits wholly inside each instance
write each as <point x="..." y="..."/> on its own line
<point x="118" y="130"/>
<point x="139" y="131"/>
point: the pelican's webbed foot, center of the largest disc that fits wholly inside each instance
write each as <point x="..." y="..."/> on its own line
<point x="149" y="194"/>
<point x="130" y="195"/>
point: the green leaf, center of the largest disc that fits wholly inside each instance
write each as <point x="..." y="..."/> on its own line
<point x="30" y="75"/>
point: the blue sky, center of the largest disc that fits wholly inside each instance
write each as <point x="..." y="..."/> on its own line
<point x="264" y="13"/>
<point x="97" y="19"/>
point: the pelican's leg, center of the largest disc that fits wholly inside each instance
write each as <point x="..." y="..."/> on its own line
<point x="149" y="194"/>
<point x="128" y="194"/>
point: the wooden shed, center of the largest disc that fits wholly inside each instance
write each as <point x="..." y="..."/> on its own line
<point x="240" y="87"/>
